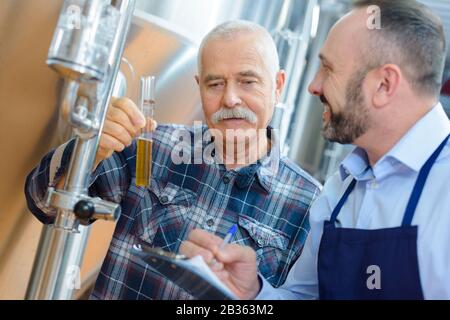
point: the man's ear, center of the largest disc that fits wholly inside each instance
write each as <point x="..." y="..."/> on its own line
<point x="197" y="79"/>
<point x="388" y="79"/>
<point x="280" y="81"/>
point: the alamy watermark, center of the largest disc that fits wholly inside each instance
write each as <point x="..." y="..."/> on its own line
<point x="73" y="17"/>
<point x="374" y="20"/>
<point x="210" y="145"/>
<point x="72" y="279"/>
<point x="374" y="280"/>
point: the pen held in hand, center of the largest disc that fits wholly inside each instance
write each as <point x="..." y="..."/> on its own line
<point x="228" y="237"/>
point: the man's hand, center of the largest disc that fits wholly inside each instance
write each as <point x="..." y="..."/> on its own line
<point x="235" y="265"/>
<point x="123" y="123"/>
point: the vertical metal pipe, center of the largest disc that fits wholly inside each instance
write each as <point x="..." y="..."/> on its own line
<point x="304" y="130"/>
<point x="60" y="250"/>
<point x="56" y="271"/>
<point x="298" y="42"/>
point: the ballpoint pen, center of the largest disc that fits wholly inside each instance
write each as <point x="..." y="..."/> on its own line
<point x="230" y="234"/>
<point x="228" y="237"/>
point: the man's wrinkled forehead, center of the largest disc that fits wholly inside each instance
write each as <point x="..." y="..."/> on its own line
<point x="251" y="53"/>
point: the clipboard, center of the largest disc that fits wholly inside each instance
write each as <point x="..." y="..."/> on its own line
<point x="193" y="274"/>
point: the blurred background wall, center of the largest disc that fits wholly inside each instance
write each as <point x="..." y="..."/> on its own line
<point x="163" y="41"/>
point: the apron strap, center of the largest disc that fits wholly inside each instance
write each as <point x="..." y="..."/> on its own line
<point x="341" y="202"/>
<point x="418" y="187"/>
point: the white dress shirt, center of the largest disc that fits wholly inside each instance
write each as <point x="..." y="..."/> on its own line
<point x="379" y="201"/>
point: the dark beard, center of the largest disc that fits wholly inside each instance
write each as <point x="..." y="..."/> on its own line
<point x="353" y="121"/>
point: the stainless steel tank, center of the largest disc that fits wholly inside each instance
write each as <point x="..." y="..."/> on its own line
<point x="29" y="117"/>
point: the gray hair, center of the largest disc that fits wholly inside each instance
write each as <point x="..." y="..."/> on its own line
<point x="228" y="31"/>
<point x="412" y="37"/>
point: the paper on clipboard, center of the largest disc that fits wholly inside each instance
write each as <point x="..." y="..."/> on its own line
<point x="193" y="275"/>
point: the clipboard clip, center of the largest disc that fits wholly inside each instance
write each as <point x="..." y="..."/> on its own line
<point x="142" y="247"/>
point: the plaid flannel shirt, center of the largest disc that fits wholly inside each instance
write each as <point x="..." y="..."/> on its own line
<point x="268" y="200"/>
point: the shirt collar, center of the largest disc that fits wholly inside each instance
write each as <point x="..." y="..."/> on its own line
<point x="265" y="168"/>
<point x="269" y="164"/>
<point x="413" y="149"/>
<point x="355" y="164"/>
<point x="419" y="143"/>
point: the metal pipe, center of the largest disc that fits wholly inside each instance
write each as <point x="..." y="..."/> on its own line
<point x="297" y="67"/>
<point x="56" y="269"/>
<point x="304" y="130"/>
<point x="298" y="42"/>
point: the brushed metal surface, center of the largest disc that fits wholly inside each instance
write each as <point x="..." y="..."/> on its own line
<point x="29" y="92"/>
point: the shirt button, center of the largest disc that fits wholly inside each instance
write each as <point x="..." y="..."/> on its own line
<point x="226" y="180"/>
<point x="373" y="184"/>
<point x="210" y="222"/>
<point x="164" y="199"/>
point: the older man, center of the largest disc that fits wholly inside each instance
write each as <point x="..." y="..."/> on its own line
<point x="380" y="229"/>
<point x="244" y="182"/>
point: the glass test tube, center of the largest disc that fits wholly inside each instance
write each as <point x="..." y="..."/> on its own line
<point x="145" y="140"/>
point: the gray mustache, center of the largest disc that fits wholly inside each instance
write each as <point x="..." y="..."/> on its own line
<point x="238" y="112"/>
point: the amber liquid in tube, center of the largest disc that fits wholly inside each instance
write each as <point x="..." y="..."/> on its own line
<point x="145" y="140"/>
<point x="144" y="162"/>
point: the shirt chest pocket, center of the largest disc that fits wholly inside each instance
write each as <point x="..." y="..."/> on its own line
<point x="162" y="221"/>
<point x="271" y="248"/>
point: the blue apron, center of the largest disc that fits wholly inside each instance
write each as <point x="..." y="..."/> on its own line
<point x="372" y="264"/>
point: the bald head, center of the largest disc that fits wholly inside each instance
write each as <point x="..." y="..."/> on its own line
<point x="346" y="42"/>
<point x="410" y="36"/>
<point x="229" y="31"/>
